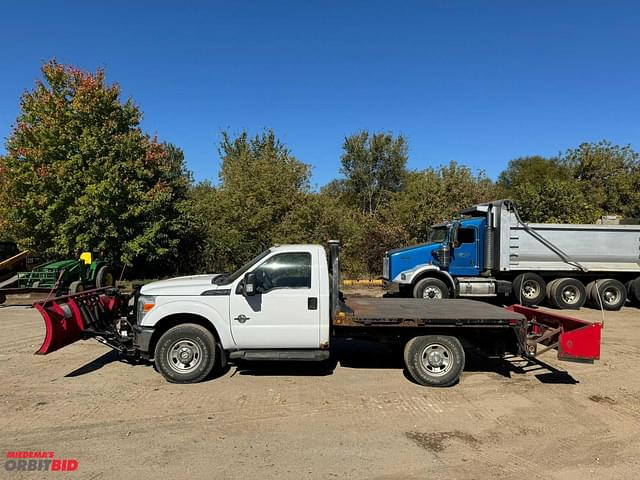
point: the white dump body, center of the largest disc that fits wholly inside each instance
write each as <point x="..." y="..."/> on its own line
<point x="598" y="248"/>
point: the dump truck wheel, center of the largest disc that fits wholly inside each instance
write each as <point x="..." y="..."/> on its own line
<point x="3" y="298"/>
<point x="612" y="292"/>
<point x="431" y="288"/>
<point x="185" y="353"/>
<point x="76" y="287"/>
<point x="567" y="293"/>
<point x="633" y="292"/>
<point x="528" y="289"/>
<point x="104" y="277"/>
<point x="434" y="360"/>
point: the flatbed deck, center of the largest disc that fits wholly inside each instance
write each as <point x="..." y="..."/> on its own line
<point x="415" y="312"/>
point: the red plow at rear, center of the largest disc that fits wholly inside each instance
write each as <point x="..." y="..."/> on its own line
<point x="575" y="340"/>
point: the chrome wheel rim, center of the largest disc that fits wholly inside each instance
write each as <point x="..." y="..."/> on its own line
<point x="437" y="359"/>
<point x="570" y="294"/>
<point x="431" y="292"/>
<point x="184" y="356"/>
<point x="530" y="289"/>
<point x="610" y="295"/>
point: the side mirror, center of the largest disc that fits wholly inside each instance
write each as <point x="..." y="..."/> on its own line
<point x="454" y="234"/>
<point x="249" y="284"/>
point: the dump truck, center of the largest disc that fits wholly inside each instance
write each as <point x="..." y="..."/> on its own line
<point x="490" y="251"/>
<point x="285" y="305"/>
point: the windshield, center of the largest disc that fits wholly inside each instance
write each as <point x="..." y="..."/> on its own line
<point x="438" y="235"/>
<point x="229" y="278"/>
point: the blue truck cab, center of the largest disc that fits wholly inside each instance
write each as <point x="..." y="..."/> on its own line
<point x="450" y="264"/>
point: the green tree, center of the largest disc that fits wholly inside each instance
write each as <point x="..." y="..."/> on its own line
<point x="532" y="170"/>
<point x="554" y="201"/>
<point x="609" y="176"/>
<point x="374" y="166"/>
<point x="435" y="195"/>
<point x="79" y="174"/>
<point x="261" y="183"/>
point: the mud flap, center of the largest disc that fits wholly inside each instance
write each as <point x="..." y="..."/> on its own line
<point x="75" y="317"/>
<point x="574" y="339"/>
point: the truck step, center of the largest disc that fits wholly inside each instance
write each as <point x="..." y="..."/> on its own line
<point x="282" y="355"/>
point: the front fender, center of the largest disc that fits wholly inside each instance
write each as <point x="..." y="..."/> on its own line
<point x="408" y="277"/>
<point x="192" y="306"/>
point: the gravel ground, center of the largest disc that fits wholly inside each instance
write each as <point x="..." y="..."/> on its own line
<point x="361" y="418"/>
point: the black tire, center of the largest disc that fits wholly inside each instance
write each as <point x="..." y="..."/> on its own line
<point x="528" y="289"/>
<point x="104" y="277"/>
<point x="613" y="294"/>
<point x="3" y="298"/>
<point x="198" y="346"/>
<point x="431" y="288"/>
<point x="633" y="292"/>
<point x="550" y="292"/>
<point x="76" y="287"/>
<point x="434" y="360"/>
<point x="567" y="294"/>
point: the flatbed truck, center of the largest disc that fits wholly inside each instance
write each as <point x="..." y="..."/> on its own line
<point x="285" y="304"/>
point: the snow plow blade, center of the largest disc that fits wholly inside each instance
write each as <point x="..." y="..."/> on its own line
<point x="75" y="317"/>
<point x="575" y="340"/>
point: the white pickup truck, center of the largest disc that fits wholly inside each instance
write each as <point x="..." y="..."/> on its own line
<point x="285" y="304"/>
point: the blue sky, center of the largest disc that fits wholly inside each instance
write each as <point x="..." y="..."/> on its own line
<point x="476" y="82"/>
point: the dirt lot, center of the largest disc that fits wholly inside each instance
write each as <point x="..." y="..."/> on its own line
<point x="361" y="419"/>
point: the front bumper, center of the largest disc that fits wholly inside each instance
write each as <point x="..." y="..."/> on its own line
<point x="142" y="338"/>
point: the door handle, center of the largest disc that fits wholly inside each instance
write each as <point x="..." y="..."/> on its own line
<point x="312" y="303"/>
<point x="241" y="318"/>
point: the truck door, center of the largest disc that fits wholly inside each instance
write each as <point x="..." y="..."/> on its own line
<point x="284" y="312"/>
<point x="464" y="256"/>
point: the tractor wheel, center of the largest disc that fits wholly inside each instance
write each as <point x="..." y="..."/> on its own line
<point x="76" y="287"/>
<point x="104" y="277"/>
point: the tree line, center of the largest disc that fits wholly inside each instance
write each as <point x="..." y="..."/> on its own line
<point x="79" y="174"/>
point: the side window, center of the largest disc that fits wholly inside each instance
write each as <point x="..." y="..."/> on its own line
<point x="467" y="235"/>
<point x="284" y="270"/>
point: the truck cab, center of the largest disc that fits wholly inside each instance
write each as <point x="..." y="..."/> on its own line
<point x="278" y="300"/>
<point x="455" y="251"/>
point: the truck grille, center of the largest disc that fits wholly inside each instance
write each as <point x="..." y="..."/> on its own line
<point x="385" y="267"/>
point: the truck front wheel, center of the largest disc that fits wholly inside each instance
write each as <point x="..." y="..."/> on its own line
<point x="430" y="288"/>
<point x="434" y="360"/>
<point x="185" y="353"/>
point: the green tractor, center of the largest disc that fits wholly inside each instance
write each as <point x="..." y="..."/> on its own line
<point x="72" y="276"/>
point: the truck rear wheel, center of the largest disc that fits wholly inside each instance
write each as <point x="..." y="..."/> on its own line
<point x="528" y="289"/>
<point x="633" y="291"/>
<point x="431" y="288"/>
<point x="612" y="293"/>
<point x="185" y="353"/>
<point x="567" y="293"/>
<point x="434" y="360"/>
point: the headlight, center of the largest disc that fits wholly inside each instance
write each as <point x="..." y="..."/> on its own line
<point x="145" y="304"/>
